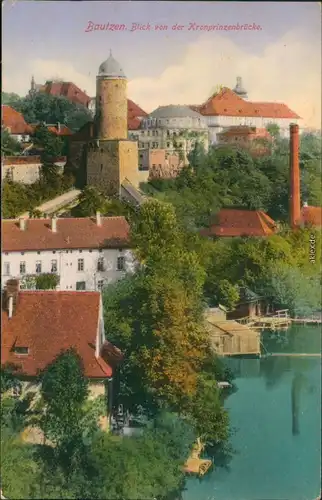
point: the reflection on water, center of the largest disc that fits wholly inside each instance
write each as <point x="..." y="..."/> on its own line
<point x="276" y="412"/>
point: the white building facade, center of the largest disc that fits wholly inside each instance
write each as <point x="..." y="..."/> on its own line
<point x="172" y="128"/>
<point x="89" y="267"/>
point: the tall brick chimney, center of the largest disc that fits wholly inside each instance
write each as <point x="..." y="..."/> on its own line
<point x="295" y="198"/>
<point x="11" y="296"/>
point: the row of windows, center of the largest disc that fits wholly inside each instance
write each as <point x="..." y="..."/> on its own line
<point x="66" y="251"/>
<point x="54" y="268"/>
<point x="155" y="145"/>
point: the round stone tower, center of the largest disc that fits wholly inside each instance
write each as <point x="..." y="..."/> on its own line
<point x="111" y="101"/>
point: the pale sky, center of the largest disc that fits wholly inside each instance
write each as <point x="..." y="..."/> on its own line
<point x="279" y="63"/>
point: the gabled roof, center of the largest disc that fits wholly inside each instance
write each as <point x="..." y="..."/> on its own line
<point x="68" y="90"/>
<point x="14" y="121"/>
<point x="47" y="322"/>
<point x="231" y="222"/>
<point x="72" y="233"/>
<point x="227" y="103"/>
<point x="312" y="216"/>
<point x="133" y="110"/>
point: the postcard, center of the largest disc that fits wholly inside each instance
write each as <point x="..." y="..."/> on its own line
<point x="161" y="250"/>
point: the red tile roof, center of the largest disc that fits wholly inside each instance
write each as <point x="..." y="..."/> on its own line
<point x="68" y="90"/>
<point x="49" y="322"/>
<point x="72" y="233"/>
<point x="133" y="123"/>
<point x="243" y="130"/>
<point x="232" y="222"/>
<point x="14" y="121"/>
<point x="227" y="103"/>
<point x="29" y="160"/>
<point x="312" y="216"/>
<point x="133" y="110"/>
<point x="61" y="131"/>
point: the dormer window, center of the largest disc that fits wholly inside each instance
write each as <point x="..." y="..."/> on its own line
<point x="21" y="350"/>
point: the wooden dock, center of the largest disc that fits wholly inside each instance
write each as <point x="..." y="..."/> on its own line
<point x="307" y="321"/>
<point x="195" y="464"/>
<point x="295" y="354"/>
<point x="280" y="320"/>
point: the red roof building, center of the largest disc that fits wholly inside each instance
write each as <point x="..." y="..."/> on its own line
<point x="134" y="115"/>
<point x="68" y="90"/>
<point x="236" y="223"/>
<point x="14" y="122"/>
<point x="38" y="326"/>
<point x="227" y="103"/>
<point x="70" y="233"/>
<point x="256" y="140"/>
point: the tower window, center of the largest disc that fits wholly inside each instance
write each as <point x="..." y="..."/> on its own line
<point x="101" y="167"/>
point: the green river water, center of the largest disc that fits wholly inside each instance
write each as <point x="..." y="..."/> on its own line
<point x="276" y="414"/>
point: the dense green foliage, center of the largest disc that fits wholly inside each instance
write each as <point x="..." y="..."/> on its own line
<point x="50" y="109"/>
<point x="92" y="201"/>
<point x="18" y="198"/>
<point x="155" y="317"/>
<point x="9" y="145"/>
<point x="226" y="177"/>
<point x="86" y="462"/>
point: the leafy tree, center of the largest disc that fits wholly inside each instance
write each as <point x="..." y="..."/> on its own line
<point x="10" y="98"/>
<point x="206" y="412"/>
<point x="64" y="402"/>
<point x="19" y="470"/>
<point x="48" y="281"/>
<point x="52" y="109"/>
<point x="289" y="288"/>
<point x="147" y="466"/>
<point x="51" y="144"/>
<point x="222" y="292"/>
<point x="91" y="200"/>
<point x="274" y="130"/>
<point x="9" y="145"/>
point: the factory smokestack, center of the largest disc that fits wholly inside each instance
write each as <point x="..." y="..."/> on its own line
<point x="295" y="200"/>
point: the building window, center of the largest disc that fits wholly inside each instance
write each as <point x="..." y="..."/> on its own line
<point x="38" y="266"/>
<point x="120" y="263"/>
<point x="54" y="266"/>
<point x="80" y="265"/>
<point x="22" y="267"/>
<point x="168" y="144"/>
<point x="156" y="132"/>
<point x="21" y="350"/>
<point x="100" y="264"/>
<point x="6" y="266"/>
<point x="80" y="285"/>
<point x="38" y="253"/>
<point x="148" y="132"/>
<point x="100" y="284"/>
